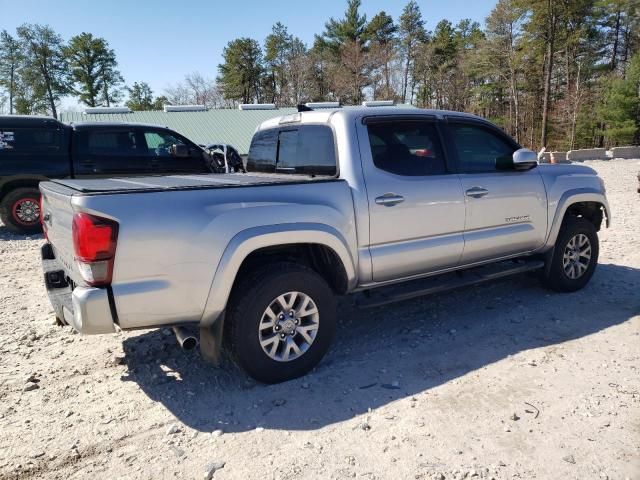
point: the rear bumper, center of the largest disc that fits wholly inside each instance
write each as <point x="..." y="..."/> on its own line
<point x="86" y="309"/>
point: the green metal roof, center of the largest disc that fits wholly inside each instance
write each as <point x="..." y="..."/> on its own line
<point x="234" y="127"/>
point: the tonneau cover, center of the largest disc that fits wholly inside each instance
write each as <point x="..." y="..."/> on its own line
<point x="182" y="182"/>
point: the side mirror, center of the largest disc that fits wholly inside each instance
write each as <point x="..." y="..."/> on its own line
<point x="179" y="151"/>
<point x="524" y="159"/>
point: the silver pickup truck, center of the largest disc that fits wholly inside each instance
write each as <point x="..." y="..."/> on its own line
<point x="334" y="202"/>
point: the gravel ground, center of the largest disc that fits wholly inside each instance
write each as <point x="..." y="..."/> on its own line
<point x="505" y="380"/>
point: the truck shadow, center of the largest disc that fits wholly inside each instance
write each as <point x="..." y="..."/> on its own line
<point x="6" y="234"/>
<point x="384" y="354"/>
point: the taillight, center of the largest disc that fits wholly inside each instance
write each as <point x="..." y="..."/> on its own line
<point x="94" y="244"/>
<point x="42" y="222"/>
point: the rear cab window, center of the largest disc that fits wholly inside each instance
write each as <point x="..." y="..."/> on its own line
<point x="296" y="149"/>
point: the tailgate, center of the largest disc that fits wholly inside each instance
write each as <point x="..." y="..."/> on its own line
<point x="57" y="214"/>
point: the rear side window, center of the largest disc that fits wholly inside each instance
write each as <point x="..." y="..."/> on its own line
<point x="109" y="142"/>
<point x="26" y="140"/>
<point x="406" y="147"/>
<point x="305" y="149"/>
<point x="262" y="153"/>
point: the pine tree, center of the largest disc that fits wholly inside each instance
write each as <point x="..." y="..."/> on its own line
<point x="242" y="71"/>
<point x="45" y="70"/>
<point x="412" y="34"/>
<point x="11" y="57"/>
<point x="140" y="97"/>
<point x="347" y="42"/>
<point x="277" y="48"/>
<point x="620" y="109"/>
<point x="383" y="36"/>
<point x="93" y="70"/>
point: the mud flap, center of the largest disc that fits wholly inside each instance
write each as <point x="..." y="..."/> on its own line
<point x="211" y="341"/>
<point x="548" y="258"/>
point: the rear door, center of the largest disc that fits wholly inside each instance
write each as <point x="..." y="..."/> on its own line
<point x="506" y="210"/>
<point x="416" y="206"/>
<point x="111" y="151"/>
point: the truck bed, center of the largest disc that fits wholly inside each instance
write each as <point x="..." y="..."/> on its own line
<point x="173" y="232"/>
<point x="180" y="182"/>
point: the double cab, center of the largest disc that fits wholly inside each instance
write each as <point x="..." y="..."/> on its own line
<point x="384" y="200"/>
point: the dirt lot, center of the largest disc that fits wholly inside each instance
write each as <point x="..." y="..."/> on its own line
<point x="506" y="381"/>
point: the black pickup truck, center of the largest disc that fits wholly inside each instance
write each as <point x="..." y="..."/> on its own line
<point x="34" y="148"/>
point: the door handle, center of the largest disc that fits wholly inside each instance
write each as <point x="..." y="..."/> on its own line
<point x="389" y="199"/>
<point x="476" y="192"/>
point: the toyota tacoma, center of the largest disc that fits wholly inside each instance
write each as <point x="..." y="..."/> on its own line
<point x="334" y="202"/>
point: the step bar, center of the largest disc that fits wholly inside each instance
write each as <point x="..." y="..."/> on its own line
<point x="463" y="278"/>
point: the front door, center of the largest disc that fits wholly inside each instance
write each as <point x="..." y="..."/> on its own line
<point x="158" y="147"/>
<point x="506" y="210"/>
<point x="416" y="206"/>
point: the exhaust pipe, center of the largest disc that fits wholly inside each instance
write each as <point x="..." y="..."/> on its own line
<point x="185" y="338"/>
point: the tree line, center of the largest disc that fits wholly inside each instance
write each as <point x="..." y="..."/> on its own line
<point x="37" y="69"/>
<point x="556" y="73"/>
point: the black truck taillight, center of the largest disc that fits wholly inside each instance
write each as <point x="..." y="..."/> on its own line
<point x="42" y="222"/>
<point x="94" y="244"/>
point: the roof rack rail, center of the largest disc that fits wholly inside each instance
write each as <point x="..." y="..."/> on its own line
<point x="257" y="106"/>
<point x="310" y="106"/>
<point x="184" y="108"/>
<point x="378" y="103"/>
<point x="97" y="110"/>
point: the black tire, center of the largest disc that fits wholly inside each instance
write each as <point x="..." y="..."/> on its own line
<point x="18" y="203"/>
<point x="247" y="305"/>
<point x="555" y="276"/>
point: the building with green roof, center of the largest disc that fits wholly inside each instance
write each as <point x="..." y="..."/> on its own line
<point x="231" y="126"/>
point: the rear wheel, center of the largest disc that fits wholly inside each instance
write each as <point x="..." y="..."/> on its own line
<point x="20" y="210"/>
<point x="280" y="322"/>
<point x="575" y="256"/>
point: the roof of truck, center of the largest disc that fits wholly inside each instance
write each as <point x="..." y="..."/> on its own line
<point x="81" y="125"/>
<point x="216" y="125"/>
<point x="15" y="121"/>
<point x="324" y="115"/>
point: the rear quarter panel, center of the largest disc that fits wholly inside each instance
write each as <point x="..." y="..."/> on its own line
<point x="170" y="243"/>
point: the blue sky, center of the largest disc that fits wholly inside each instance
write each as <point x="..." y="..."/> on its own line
<point x="160" y="41"/>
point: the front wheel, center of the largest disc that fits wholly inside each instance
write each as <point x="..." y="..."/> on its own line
<point x="575" y="256"/>
<point x="280" y="322"/>
<point x="20" y="210"/>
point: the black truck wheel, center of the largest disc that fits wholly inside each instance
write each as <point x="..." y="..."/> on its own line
<point x="575" y="256"/>
<point x="20" y="210"/>
<point x="280" y="322"/>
